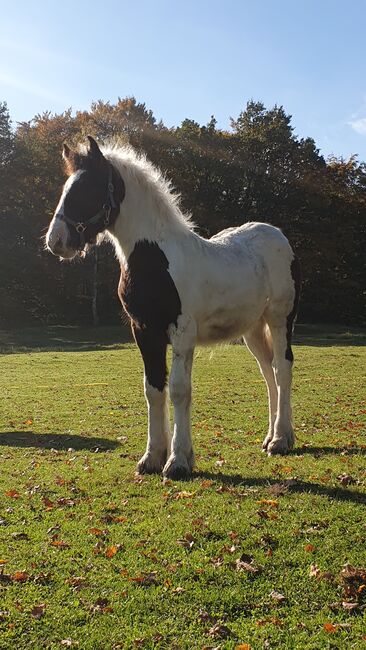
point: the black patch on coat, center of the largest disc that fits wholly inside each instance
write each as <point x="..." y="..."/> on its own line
<point x="150" y="298"/>
<point x="296" y="276"/>
<point x="152" y="345"/>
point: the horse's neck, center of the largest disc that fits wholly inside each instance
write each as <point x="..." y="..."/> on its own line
<point x="144" y="217"/>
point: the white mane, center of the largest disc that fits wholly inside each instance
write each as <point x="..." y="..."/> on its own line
<point x="136" y="169"/>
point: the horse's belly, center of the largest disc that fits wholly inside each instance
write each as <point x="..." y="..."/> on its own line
<point x="226" y="325"/>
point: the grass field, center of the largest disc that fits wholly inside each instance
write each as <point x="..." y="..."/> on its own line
<point x="248" y="554"/>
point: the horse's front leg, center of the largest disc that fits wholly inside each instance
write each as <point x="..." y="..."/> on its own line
<point x="181" y="460"/>
<point x="153" y="346"/>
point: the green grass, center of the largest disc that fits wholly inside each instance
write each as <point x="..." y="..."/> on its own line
<point x="72" y="429"/>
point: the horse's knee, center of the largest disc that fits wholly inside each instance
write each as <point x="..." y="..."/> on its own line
<point x="180" y="392"/>
<point x="153" y="396"/>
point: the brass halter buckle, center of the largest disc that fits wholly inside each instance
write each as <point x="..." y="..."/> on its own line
<point x="80" y="227"/>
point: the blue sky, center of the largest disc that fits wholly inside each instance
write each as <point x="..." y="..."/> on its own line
<point x="193" y="59"/>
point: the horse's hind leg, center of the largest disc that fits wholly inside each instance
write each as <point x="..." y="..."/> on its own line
<point x="280" y="316"/>
<point x="283" y="435"/>
<point x="259" y="341"/>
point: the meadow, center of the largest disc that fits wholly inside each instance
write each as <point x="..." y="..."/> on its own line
<point x="253" y="552"/>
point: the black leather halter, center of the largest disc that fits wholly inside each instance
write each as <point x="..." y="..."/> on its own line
<point x="100" y="218"/>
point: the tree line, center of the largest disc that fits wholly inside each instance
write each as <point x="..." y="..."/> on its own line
<point x="256" y="170"/>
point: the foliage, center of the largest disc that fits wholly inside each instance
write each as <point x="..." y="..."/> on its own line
<point x="257" y="170"/>
<point x="249" y="554"/>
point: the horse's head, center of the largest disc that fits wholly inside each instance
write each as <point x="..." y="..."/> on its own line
<point x="89" y="204"/>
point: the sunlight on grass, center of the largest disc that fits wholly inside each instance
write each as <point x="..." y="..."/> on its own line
<point x="250" y="551"/>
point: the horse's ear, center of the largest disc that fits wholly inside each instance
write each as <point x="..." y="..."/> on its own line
<point x="93" y="149"/>
<point x="65" y="151"/>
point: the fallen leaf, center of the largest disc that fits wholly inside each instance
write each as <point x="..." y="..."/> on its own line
<point x="314" y="571"/>
<point x="219" y="630"/>
<point x="330" y="628"/>
<point x="19" y="535"/>
<point x="268" y="502"/>
<point x="2" y="562"/>
<point x="243" y="646"/>
<point x="187" y="541"/>
<point x="20" y="576"/>
<point x="246" y="563"/>
<point x="38" y="610"/>
<point x="309" y="548"/>
<point x="14" y="494"/>
<point x="76" y="582"/>
<point x="280" y="598"/>
<point x="346" y="479"/>
<point x="112" y="550"/>
<point x="58" y="543"/>
<point x="184" y="495"/>
<point x="101" y="606"/>
<point x="145" y="579"/>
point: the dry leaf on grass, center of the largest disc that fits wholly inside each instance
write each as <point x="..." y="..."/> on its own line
<point x="146" y="579"/>
<point x="187" y="541"/>
<point x="38" y="610"/>
<point x="219" y="631"/>
<point x="246" y="563"/>
<point x="280" y="598"/>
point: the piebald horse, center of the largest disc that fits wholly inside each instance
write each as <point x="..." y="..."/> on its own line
<point x="181" y="289"/>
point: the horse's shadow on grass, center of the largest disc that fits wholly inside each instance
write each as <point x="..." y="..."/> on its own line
<point x="324" y="451"/>
<point x="58" y="441"/>
<point x="291" y="486"/>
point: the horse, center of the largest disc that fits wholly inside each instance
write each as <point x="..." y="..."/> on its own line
<point x="181" y="289"/>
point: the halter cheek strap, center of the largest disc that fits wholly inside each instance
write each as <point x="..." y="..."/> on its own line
<point x="103" y="215"/>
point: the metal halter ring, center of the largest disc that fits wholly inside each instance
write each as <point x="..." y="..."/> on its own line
<point x="80" y="227"/>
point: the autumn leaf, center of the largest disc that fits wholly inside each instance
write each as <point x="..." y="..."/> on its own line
<point x="98" y="532"/>
<point x="246" y="563"/>
<point x="280" y="598"/>
<point x="2" y="562"/>
<point x="145" y="579"/>
<point x="272" y="503"/>
<point x="20" y="576"/>
<point x="58" y="543"/>
<point x="112" y="550"/>
<point x="184" y="495"/>
<point x="14" y="494"/>
<point x="101" y="606"/>
<point x="28" y="422"/>
<point x="330" y="628"/>
<point x="48" y="503"/>
<point x="309" y="548"/>
<point x="207" y="483"/>
<point x="219" y="631"/>
<point x="187" y="541"/>
<point x="77" y="582"/>
<point x="243" y="646"/>
<point x="38" y="610"/>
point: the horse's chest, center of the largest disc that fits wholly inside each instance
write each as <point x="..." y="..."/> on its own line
<point x="146" y="288"/>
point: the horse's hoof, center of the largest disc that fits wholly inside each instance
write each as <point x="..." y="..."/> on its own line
<point x="280" y="447"/>
<point x="177" y="470"/>
<point x="266" y="442"/>
<point x="177" y="473"/>
<point x="148" y="465"/>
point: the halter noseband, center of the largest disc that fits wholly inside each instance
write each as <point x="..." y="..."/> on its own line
<point x="103" y="214"/>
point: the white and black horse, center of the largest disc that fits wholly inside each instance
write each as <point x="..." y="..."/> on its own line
<point x="181" y="289"/>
